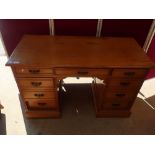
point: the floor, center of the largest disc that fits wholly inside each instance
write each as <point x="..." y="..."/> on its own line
<point x="78" y="115"/>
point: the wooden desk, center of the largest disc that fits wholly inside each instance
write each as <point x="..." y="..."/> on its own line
<point x="40" y="62"/>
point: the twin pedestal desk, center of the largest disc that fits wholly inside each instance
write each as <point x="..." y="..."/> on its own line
<point x="118" y="67"/>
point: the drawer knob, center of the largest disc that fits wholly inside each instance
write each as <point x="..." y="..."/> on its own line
<point x="39" y="95"/>
<point x="34" y="71"/>
<point x="36" y="84"/>
<point x="26" y="102"/>
<point x="42" y="104"/>
<point x="124" y="83"/>
<point x="120" y="95"/>
<point x="116" y="104"/>
<point x="82" y="72"/>
<point x="129" y="73"/>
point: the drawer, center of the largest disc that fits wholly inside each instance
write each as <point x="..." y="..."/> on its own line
<point x="120" y="94"/>
<point x="36" y="83"/>
<point x="39" y="94"/>
<point x="21" y="71"/>
<point x="41" y="104"/>
<point x="125" y="82"/>
<point x="81" y="72"/>
<point x="129" y="72"/>
<point x="113" y="104"/>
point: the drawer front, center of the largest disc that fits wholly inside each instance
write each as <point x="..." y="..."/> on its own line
<point x="129" y="72"/>
<point x="116" y="104"/>
<point x="21" y="71"/>
<point x="120" y="94"/>
<point x="36" y="83"/>
<point x="39" y="94"/>
<point x="81" y="72"/>
<point x="125" y="82"/>
<point x="41" y="104"/>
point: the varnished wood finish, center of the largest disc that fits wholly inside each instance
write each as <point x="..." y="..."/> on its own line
<point x="81" y="72"/>
<point x="124" y="83"/>
<point x="33" y="72"/>
<point x="114" y="104"/>
<point x="118" y="66"/>
<point x="129" y="72"/>
<point x="75" y="51"/>
<point x="36" y="83"/>
<point x="35" y="104"/>
<point x="39" y="94"/>
<point x="43" y="113"/>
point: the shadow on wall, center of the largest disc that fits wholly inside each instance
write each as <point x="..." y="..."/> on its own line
<point x="85" y="122"/>
<point x="2" y="124"/>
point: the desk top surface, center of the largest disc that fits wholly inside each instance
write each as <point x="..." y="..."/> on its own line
<point x="75" y="51"/>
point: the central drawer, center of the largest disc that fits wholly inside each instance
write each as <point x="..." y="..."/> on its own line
<point x="81" y="72"/>
<point x="36" y="83"/>
<point x="39" y="94"/>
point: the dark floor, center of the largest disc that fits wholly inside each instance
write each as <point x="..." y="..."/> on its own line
<point x="78" y="117"/>
<point x="2" y="124"/>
